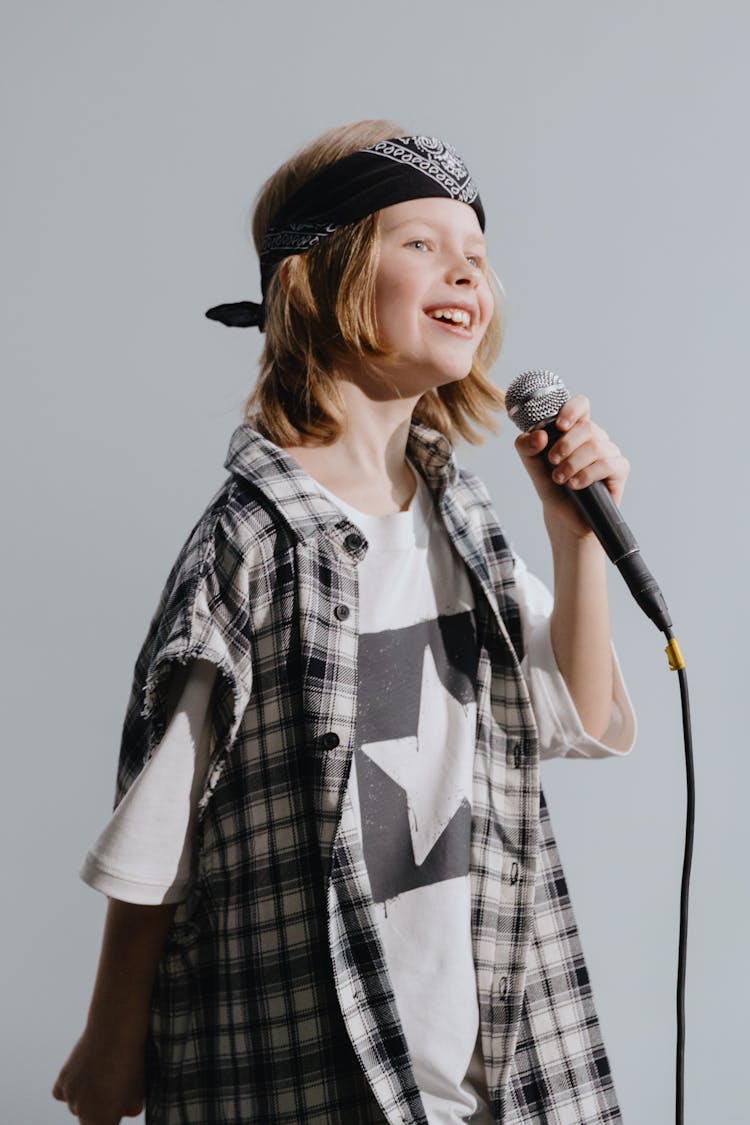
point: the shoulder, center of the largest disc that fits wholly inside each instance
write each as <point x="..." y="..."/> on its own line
<point x="235" y="523"/>
<point x="232" y="547"/>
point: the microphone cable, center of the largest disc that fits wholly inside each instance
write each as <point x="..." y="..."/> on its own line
<point x="677" y="664"/>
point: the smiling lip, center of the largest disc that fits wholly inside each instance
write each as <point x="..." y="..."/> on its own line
<point x="458" y="329"/>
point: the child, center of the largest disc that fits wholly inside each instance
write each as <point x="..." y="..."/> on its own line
<point x="335" y="895"/>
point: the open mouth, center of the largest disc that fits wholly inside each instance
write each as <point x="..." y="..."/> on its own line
<point x="454" y="319"/>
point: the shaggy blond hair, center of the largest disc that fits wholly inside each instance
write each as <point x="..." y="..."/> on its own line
<point x="323" y="315"/>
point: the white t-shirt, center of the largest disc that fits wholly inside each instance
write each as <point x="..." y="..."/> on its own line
<point x="409" y="791"/>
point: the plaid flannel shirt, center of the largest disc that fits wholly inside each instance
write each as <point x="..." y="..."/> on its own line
<point x="273" y="1001"/>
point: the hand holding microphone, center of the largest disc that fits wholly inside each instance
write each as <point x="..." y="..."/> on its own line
<point x="589" y="474"/>
<point x="579" y="453"/>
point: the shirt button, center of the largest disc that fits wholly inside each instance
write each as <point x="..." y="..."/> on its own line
<point x="330" y="740"/>
<point x="517" y="754"/>
<point x="353" y="541"/>
<point x="513" y="873"/>
<point x="502" y="987"/>
<point x="342" y="612"/>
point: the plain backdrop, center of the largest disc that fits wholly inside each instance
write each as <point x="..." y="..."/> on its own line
<point x="610" y="147"/>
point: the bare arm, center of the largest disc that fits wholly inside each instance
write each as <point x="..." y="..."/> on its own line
<point x="579" y="631"/>
<point x="102" y="1080"/>
<point x="579" y="626"/>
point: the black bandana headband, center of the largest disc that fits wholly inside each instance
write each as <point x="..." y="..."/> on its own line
<point x="358" y="185"/>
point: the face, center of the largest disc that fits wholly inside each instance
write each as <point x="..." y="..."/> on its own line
<point x="433" y="300"/>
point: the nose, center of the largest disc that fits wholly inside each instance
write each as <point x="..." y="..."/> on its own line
<point x="460" y="272"/>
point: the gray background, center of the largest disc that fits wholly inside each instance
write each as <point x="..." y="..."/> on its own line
<point x="610" y="146"/>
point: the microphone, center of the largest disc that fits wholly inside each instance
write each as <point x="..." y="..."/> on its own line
<point x="533" y="401"/>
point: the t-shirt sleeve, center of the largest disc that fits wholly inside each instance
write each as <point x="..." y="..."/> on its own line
<point x="561" y="733"/>
<point x="144" y="854"/>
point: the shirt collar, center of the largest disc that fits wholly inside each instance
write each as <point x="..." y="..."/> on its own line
<point x="297" y="497"/>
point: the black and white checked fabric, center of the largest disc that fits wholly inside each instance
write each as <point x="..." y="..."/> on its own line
<point x="272" y="1001"/>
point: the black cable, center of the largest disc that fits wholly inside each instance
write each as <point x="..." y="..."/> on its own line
<point x="677" y="664"/>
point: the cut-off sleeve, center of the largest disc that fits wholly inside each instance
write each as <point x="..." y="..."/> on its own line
<point x="202" y="615"/>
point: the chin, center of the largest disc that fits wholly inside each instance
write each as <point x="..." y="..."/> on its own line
<point x="416" y="372"/>
<point x="454" y="376"/>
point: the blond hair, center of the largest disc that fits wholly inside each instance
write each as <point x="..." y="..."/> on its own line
<point x="323" y="315"/>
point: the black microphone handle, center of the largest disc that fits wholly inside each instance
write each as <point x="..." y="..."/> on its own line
<point x="599" y="511"/>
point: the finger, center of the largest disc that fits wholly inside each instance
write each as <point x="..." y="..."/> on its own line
<point x="612" y="471"/>
<point x="574" y="410"/>
<point x="581" y="457"/>
<point x="584" y="430"/>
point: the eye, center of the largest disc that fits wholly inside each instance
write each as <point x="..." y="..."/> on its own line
<point x="418" y="242"/>
<point x="475" y="260"/>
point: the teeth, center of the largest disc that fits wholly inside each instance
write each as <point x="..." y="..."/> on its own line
<point x="458" y="316"/>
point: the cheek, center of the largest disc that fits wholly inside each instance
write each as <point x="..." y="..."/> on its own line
<point x="394" y="300"/>
<point x="487" y="306"/>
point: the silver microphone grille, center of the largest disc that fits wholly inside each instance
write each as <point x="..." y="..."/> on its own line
<point x="534" y="398"/>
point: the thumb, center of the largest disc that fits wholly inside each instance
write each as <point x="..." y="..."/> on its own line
<point x="532" y="443"/>
<point x="530" y="447"/>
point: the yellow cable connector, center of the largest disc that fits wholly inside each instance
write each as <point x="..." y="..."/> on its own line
<point x="674" y="656"/>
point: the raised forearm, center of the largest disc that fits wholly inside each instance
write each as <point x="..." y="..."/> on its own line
<point x="580" y="631"/>
<point x="580" y="618"/>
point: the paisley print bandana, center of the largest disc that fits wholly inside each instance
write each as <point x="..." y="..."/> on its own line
<point x="386" y="173"/>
